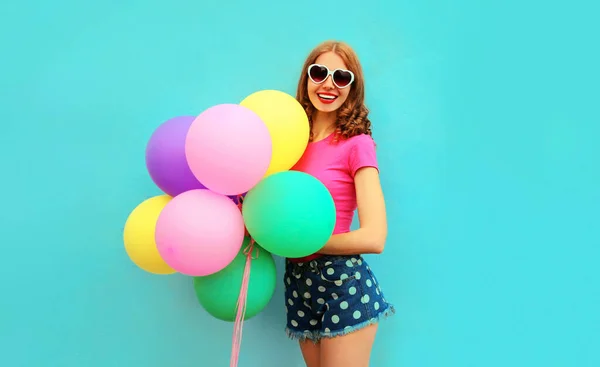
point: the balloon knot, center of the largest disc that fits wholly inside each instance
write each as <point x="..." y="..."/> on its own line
<point x="250" y="250"/>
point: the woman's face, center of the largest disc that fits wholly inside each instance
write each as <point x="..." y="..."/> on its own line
<point x="326" y="96"/>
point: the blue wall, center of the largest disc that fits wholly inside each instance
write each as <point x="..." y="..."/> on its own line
<point x="484" y="117"/>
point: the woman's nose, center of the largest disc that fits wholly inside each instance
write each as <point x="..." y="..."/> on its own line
<point x="328" y="83"/>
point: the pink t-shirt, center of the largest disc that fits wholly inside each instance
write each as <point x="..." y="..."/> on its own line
<point x="334" y="164"/>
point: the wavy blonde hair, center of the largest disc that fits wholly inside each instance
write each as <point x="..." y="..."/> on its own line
<point x="352" y="118"/>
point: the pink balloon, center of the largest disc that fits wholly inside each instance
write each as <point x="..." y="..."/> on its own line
<point x="199" y="232"/>
<point x="228" y="148"/>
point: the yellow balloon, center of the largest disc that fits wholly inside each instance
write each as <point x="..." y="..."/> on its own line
<point x="138" y="236"/>
<point x="287" y="123"/>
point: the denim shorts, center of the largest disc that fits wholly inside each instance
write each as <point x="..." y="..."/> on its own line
<point x="331" y="296"/>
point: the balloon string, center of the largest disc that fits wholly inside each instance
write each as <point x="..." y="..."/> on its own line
<point x="240" y="204"/>
<point x="241" y="307"/>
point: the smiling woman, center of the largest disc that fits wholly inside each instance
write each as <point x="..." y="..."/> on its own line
<point x="328" y="88"/>
<point x="332" y="91"/>
<point x="333" y="299"/>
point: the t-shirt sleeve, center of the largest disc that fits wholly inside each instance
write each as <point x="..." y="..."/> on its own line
<point x="362" y="154"/>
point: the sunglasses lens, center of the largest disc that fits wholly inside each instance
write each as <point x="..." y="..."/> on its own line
<point x="342" y="78"/>
<point x="317" y="73"/>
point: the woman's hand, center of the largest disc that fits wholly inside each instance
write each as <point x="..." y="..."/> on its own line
<point x="370" y="237"/>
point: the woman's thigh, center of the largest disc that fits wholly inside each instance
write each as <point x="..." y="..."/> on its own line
<point x="311" y="352"/>
<point x="350" y="350"/>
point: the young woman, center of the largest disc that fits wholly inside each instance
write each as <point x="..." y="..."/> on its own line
<point x="333" y="299"/>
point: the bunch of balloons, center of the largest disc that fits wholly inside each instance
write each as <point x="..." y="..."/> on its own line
<point x="230" y="202"/>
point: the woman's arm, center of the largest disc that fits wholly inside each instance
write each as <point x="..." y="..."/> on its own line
<point x="370" y="237"/>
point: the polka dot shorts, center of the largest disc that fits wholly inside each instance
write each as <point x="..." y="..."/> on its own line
<point x="331" y="296"/>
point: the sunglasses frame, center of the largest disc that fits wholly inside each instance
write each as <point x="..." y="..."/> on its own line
<point x="330" y="73"/>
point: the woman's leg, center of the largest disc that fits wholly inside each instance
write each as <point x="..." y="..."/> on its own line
<point x="350" y="350"/>
<point x="311" y="352"/>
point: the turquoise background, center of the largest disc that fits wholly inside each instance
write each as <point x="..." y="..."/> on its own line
<point x="486" y="118"/>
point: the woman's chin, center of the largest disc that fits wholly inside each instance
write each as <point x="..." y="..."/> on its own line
<point x="324" y="107"/>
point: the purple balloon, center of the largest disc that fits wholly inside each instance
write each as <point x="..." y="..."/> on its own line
<point x="165" y="157"/>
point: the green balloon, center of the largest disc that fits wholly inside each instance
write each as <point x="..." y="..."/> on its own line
<point x="218" y="293"/>
<point x="290" y="213"/>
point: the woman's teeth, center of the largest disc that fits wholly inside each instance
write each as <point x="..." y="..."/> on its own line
<point x="327" y="96"/>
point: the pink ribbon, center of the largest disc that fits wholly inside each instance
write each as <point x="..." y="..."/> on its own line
<point x="241" y="303"/>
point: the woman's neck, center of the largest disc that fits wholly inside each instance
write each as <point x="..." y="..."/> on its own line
<point x="323" y="124"/>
